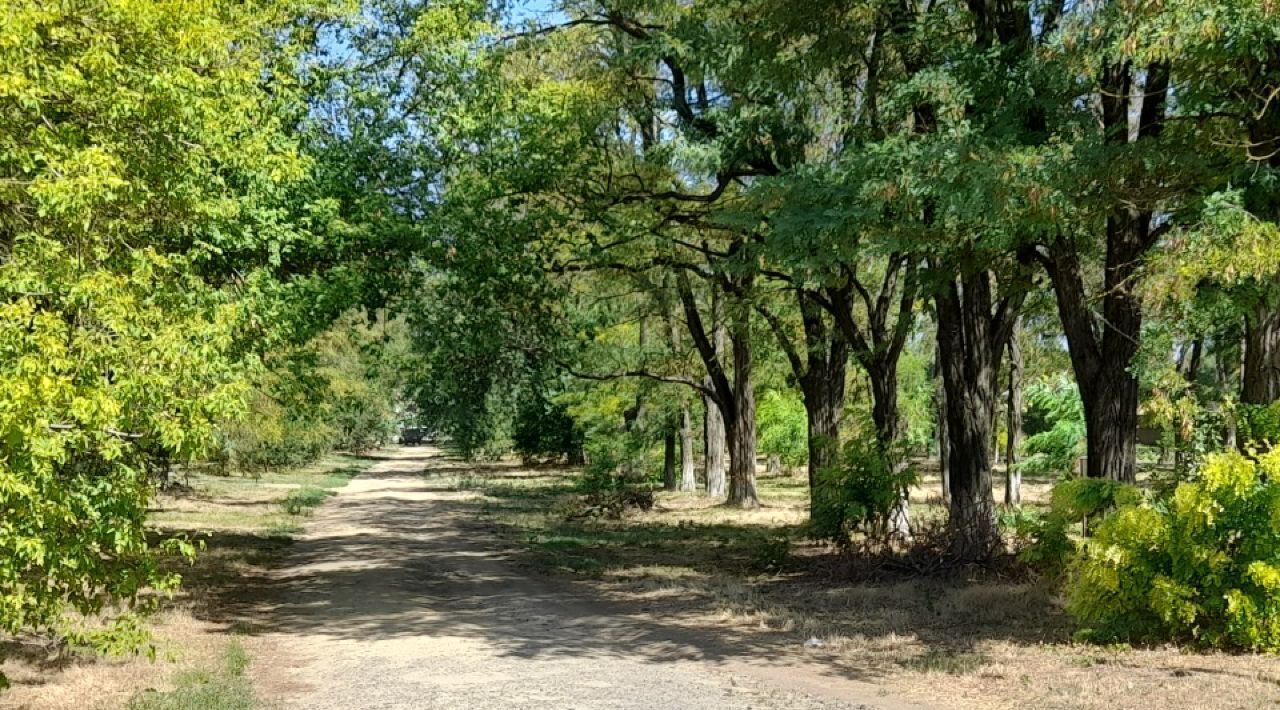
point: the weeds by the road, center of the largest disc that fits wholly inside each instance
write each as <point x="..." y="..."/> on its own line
<point x="223" y="687"/>
<point x="304" y="500"/>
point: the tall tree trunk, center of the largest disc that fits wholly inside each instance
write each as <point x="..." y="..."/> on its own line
<point x="822" y="383"/>
<point x="884" y="416"/>
<point x="740" y="421"/>
<point x="1261" y="378"/>
<point x="1103" y="350"/>
<point x="717" y="442"/>
<point x="734" y="400"/>
<point x="688" y="478"/>
<point x="1260" y="383"/>
<point x="715" y="450"/>
<point x="972" y="332"/>
<point x="820" y="372"/>
<point x="1013" y="423"/>
<point x="878" y="347"/>
<point x="669" y="461"/>
<point x="823" y="407"/>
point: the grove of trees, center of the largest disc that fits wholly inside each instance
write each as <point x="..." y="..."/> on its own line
<point x="666" y="240"/>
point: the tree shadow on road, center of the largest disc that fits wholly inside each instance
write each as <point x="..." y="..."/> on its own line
<point x="397" y="558"/>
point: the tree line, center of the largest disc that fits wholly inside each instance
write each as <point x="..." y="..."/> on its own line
<point x="656" y="238"/>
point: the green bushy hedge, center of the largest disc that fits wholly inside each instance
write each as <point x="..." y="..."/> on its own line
<point x="1201" y="565"/>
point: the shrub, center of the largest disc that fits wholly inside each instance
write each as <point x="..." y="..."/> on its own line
<point x="1042" y="540"/>
<point x="304" y="499"/>
<point x="1259" y="425"/>
<point x="1202" y="565"/>
<point x="860" y="493"/>
<point x="1055" y="418"/>
<point x="272" y="437"/>
<point x="614" y="481"/>
<point x="544" y="428"/>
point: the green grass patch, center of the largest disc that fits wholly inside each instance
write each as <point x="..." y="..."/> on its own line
<point x="304" y="500"/>
<point x="222" y="688"/>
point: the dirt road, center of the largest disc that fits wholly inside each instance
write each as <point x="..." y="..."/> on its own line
<point x="396" y="597"/>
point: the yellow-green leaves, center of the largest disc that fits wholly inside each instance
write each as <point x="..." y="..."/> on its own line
<point x="137" y="142"/>
<point x="1203" y="565"/>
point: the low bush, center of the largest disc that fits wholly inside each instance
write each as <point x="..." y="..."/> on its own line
<point x="302" y="500"/>
<point x="1201" y="565"/>
<point x="1042" y="539"/>
<point x="543" y="428"/>
<point x="860" y="493"/>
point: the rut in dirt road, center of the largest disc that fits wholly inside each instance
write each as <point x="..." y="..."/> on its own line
<point x="397" y="598"/>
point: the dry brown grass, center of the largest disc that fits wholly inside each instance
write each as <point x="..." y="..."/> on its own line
<point x="45" y="677"/>
<point x="966" y="641"/>
<point x="241" y="522"/>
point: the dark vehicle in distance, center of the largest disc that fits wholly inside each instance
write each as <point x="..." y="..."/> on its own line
<point x="413" y="436"/>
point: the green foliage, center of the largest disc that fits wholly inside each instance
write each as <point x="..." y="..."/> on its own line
<point x="1040" y="539"/>
<point x="916" y="405"/>
<point x="302" y="500"/>
<point x="139" y="150"/>
<point x="1055" y="421"/>
<point x="1080" y="498"/>
<point x="617" y="476"/>
<point x="337" y="392"/>
<point x="1258" y="425"/>
<point x="544" y="428"/>
<point x="273" y="436"/>
<point x="783" y="427"/>
<point x="1043" y="540"/>
<point x="860" y="493"/>
<point x="1202" y="565"/>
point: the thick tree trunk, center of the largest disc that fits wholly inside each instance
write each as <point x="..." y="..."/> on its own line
<point x="972" y="332"/>
<point x="1013" y="424"/>
<point x="669" y="461"/>
<point x="884" y="416"/>
<point x="1261" y="380"/>
<point x="1102" y="357"/>
<point x="740" y="429"/>
<point x="742" y="459"/>
<point x="1111" y="422"/>
<point x="823" y="410"/>
<point x="688" y="478"/>
<point x="820" y="372"/>
<point x="1103" y="350"/>
<point x="972" y="509"/>
<point x="715" y="450"/>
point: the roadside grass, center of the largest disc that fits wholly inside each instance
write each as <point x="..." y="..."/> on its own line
<point x="1000" y="642"/>
<point x="244" y="522"/>
<point x="223" y="687"/>
<point x="304" y="500"/>
<point x="272" y="503"/>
